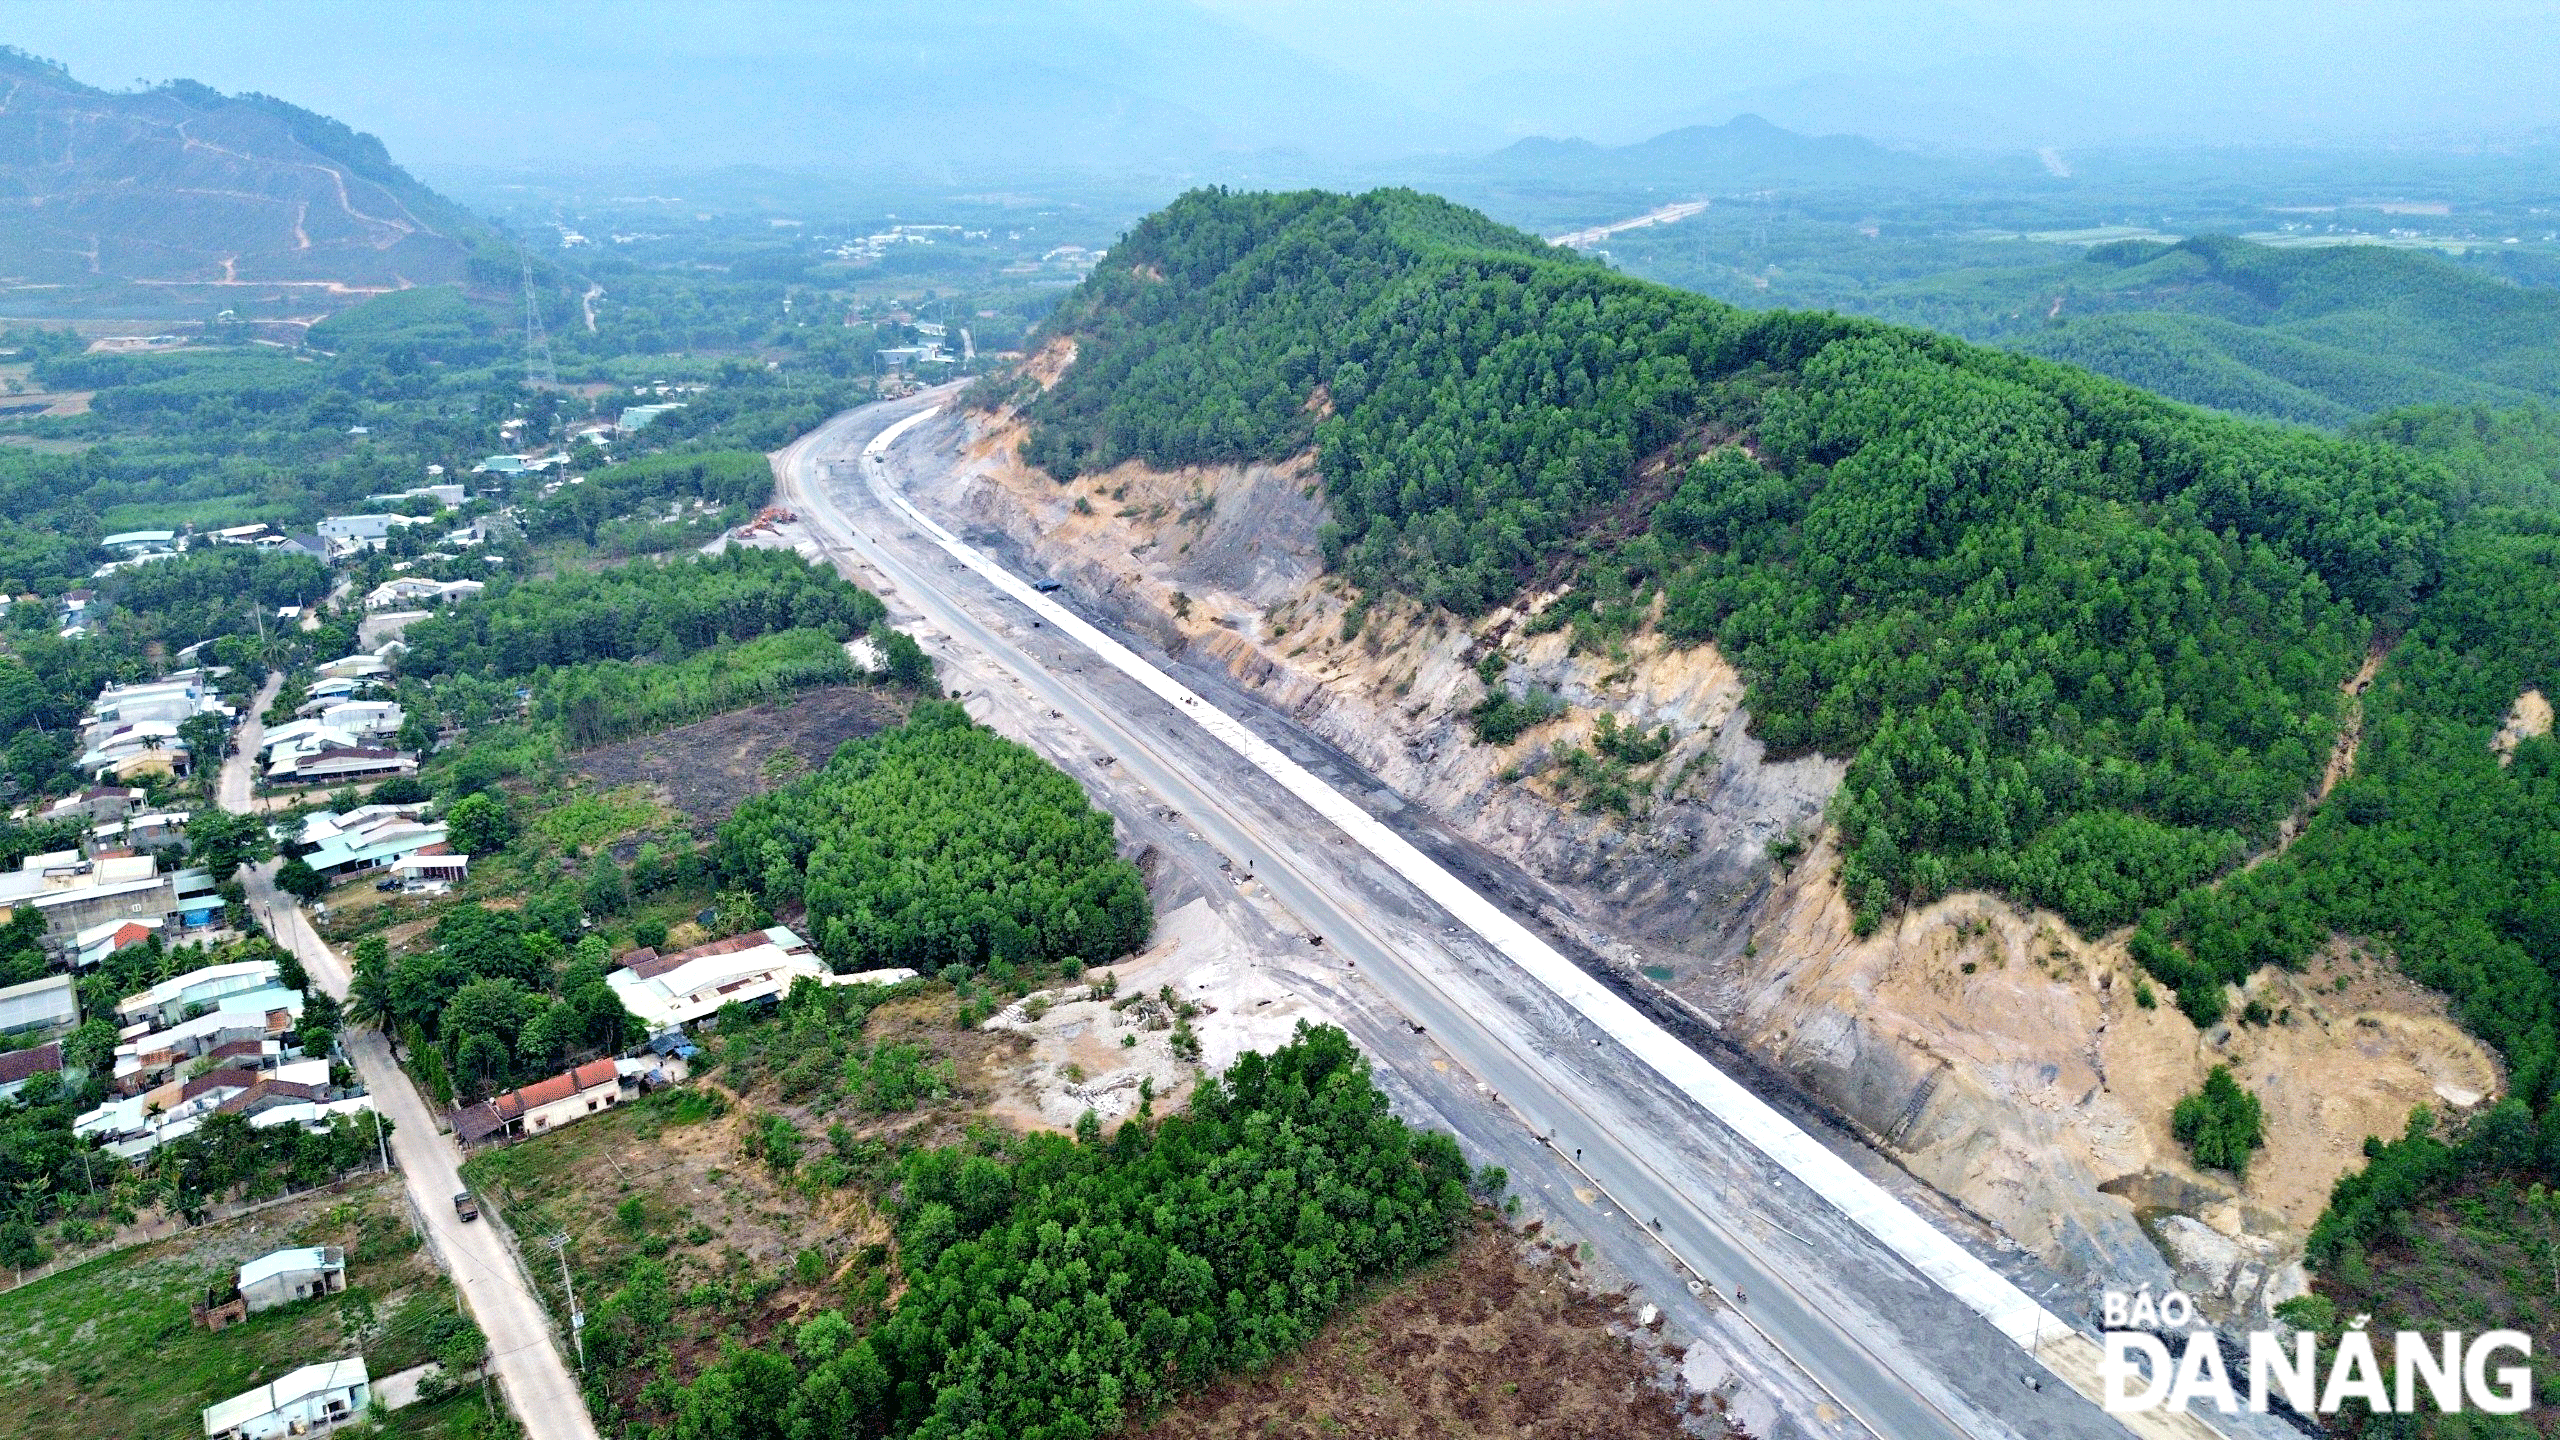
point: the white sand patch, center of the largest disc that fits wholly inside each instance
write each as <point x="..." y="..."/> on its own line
<point x="1097" y="1053"/>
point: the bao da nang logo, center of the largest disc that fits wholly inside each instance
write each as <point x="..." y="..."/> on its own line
<point x="2154" y="1363"/>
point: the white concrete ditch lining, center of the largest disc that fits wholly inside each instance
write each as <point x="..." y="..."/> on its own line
<point x="1947" y="1264"/>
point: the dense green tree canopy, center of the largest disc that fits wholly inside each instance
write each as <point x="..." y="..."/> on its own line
<point x="639" y="610"/>
<point x="2078" y="643"/>
<point x="940" y="843"/>
<point x="1058" y="1289"/>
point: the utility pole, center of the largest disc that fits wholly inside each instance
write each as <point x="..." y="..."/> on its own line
<point x="378" y="1140"/>
<point x="577" y="1317"/>
<point x="537" y="343"/>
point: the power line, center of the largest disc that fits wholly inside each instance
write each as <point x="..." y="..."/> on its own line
<point x="538" y="364"/>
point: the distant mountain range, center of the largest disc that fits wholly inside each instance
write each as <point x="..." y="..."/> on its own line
<point x="181" y="200"/>
<point x="1551" y="184"/>
<point x="1744" y="151"/>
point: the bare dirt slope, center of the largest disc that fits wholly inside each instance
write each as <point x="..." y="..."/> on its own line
<point x="1096" y="1052"/>
<point x="2031" y="1086"/>
<point x="709" y="768"/>
<point x="1220" y="564"/>
<point x="1497" y="1340"/>
<point x="2530" y="717"/>
<point x="2009" y="1062"/>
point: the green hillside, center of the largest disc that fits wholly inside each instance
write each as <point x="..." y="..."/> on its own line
<point x="2080" y="644"/>
<point x="2206" y="360"/>
<point x="180" y="199"/>
<point x="2313" y="335"/>
<point x="2318" y="336"/>
<point x="2083" y="645"/>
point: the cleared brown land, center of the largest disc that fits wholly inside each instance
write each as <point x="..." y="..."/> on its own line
<point x="710" y="767"/>
<point x="1495" y="1341"/>
<point x="668" y="1179"/>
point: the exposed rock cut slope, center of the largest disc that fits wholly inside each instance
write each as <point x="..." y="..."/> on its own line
<point x="1995" y="1052"/>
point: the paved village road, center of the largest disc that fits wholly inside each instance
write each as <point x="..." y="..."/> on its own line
<point x="530" y="1370"/>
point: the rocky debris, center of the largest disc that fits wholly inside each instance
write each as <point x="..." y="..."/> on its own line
<point x="2001" y="1057"/>
<point x="2233" y="1277"/>
<point x="2529" y="717"/>
<point x="1099" y="1046"/>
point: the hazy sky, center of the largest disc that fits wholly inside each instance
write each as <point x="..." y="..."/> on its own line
<point x="1011" y="86"/>
<point x="2271" y="69"/>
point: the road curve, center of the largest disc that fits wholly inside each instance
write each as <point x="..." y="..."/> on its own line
<point x="1850" y="1368"/>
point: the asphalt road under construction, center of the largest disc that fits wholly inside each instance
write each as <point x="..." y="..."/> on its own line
<point x="1903" y="1335"/>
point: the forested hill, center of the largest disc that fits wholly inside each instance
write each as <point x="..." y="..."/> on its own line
<point x="2320" y="336"/>
<point x="2083" y="645"/>
<point x="150" y="201"/>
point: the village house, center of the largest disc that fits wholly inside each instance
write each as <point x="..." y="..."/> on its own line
<point x="353" y="667"/>
<point x="272" y="1092"/>
<point x="543" y="1106"/>
<point x="409" y="592"/>
<point x="347" y="535"/>
<point x="135" y="1125"/>
<point x="93" y="945"/>
<point x="324" y="693"/>
<point x="667" y="992"/>
<point x="74" y="892"/>
<point x="72" y="610"/>
<point x="298" y="737"/>
<point x="96" y="805"/>
<point x="20" y="1067"/>
<point x="198" y="900"/>
<point x="380" y="837"/>
<point x="371" y="837"/>
<point x="295" y="1092"/>
<point x="442" y="494"/>
<point x="150" y="833"/>
<point x="281" y="1277"/>
<point x="366" y="720"/>
<point x="305" y="1402"/>
<point x="312" y="752"/>
<point x="133" y="751"/>
<point x="171" y="700"/>
<point x="518" y="464"/>
<point x="170" y="1001"/>
<point x="146" y="1056"/>
<point x="38" y="1008"/>
<point x="635" y="418"/>
<point x="285" y="1276"/>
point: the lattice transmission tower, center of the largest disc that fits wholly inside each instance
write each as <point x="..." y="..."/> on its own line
<point x="538" y="365"/>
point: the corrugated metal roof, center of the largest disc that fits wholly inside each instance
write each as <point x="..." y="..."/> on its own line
<point x="283" y="1262"/>
<point x="48" y="1001"/>
<point x="310" y="1380"/>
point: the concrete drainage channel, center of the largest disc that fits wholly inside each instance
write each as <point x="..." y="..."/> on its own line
<point x="1953" y="1269"/>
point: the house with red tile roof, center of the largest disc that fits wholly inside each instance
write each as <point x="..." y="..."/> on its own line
<point x="544" y="1105"/>
<point x="20" y="1066"/>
